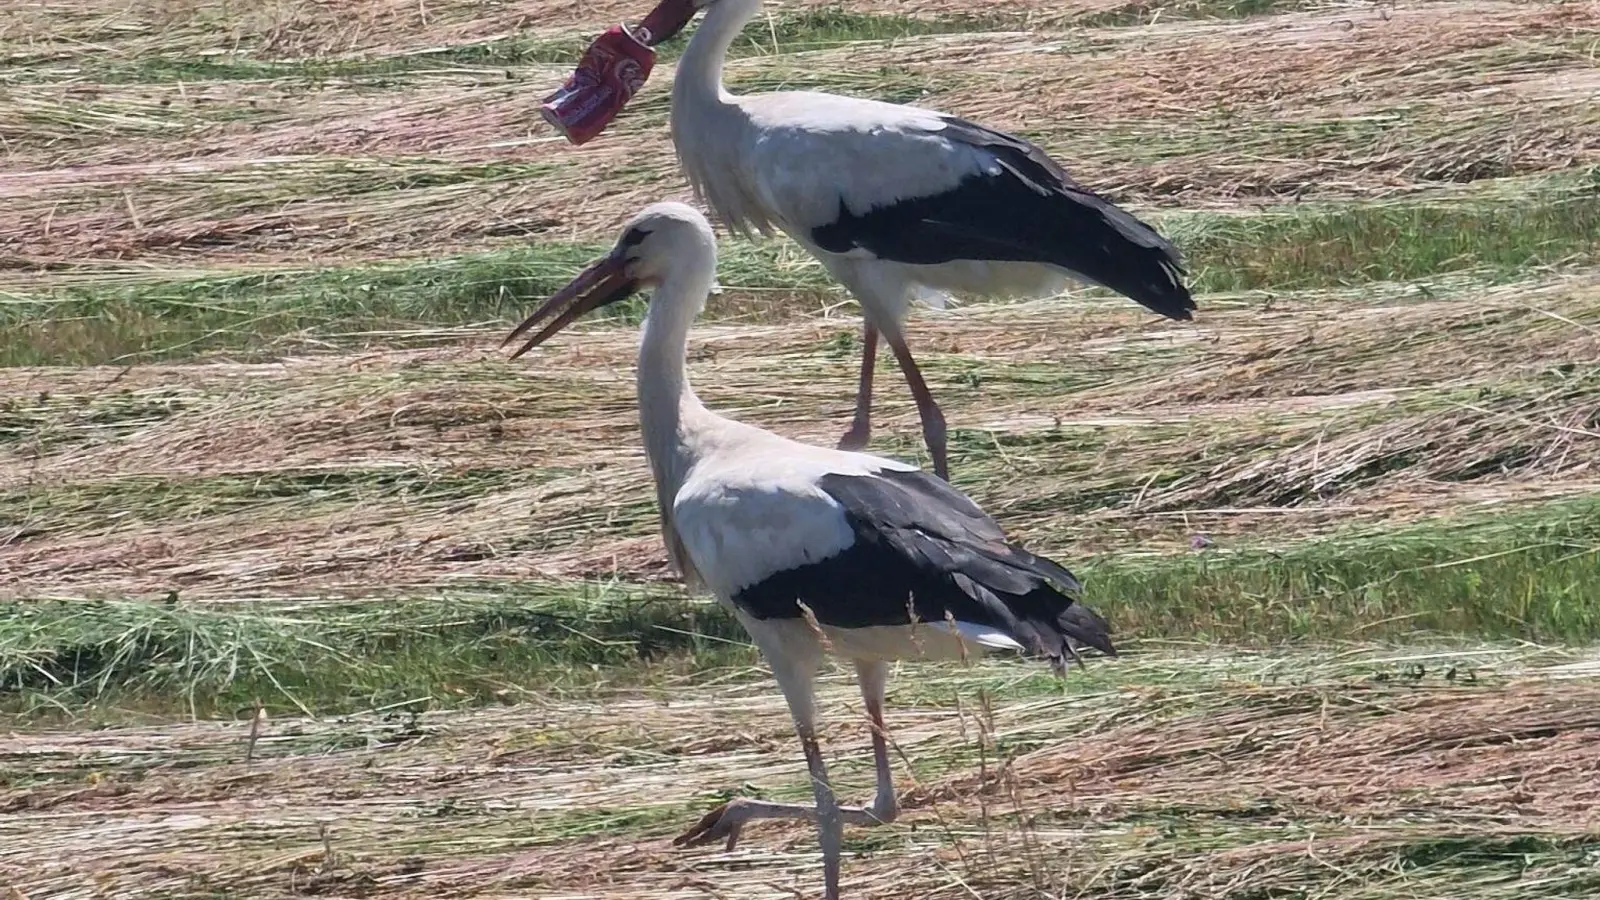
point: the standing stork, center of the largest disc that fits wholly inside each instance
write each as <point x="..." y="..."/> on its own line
<point x="813" y="549"/>
<point x="898" y="202"/>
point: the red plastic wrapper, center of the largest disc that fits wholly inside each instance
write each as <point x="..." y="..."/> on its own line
<point x="612" y="70"/>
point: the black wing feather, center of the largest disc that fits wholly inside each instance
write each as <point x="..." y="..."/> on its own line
<point x="923" y="548"/>
<point x="1032" y="211"/>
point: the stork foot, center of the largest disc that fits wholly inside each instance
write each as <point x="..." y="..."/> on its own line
<point x="856" y="438"/>
<point x="726" y="821"/>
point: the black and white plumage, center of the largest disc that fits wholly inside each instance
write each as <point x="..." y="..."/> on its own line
<point x="1028" y="211"/>
<point x="922" y="551"/>
<point x="898" y="202"/>
<point x="815" y="550"/>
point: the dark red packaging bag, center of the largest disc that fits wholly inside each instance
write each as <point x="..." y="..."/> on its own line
<point x="612" y="70"/>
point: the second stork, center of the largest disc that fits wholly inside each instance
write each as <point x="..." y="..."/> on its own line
<point x="898" y="202"/>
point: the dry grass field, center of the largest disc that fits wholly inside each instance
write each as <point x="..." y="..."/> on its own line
<point x="309" y="592"/>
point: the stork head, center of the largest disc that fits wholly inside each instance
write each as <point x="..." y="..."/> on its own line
<point x="662" y="240"/>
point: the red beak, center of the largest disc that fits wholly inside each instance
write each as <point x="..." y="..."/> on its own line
<point x="666" y="20"/>
<point x="601" y="284"/>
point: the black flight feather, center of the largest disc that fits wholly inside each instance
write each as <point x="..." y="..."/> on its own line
<point x="1031" y="211"/>
<point x="923" y="548"/>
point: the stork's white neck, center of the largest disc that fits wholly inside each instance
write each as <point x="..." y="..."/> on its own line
<point x="673" y="421"/>
<point x="699" y="75"/>
<point x="710" y="127"/>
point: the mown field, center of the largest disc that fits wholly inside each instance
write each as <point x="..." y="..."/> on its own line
<point x="309" y="592"/>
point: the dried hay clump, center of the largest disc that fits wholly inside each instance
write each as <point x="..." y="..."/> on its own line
<point x="1525" y="755"/>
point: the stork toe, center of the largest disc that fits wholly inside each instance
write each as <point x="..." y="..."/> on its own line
<point x="725" y="821"/>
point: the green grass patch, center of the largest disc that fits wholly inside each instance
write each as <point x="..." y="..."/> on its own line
<point x="1531" y="575"/>
<point x="253" y="311"/>
<point x="445" y="649"/>
<point x="1362" y="243"/>
<point x="417" y="302"/>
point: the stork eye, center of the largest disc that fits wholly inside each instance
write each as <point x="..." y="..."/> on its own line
<point x="634" y="237"/>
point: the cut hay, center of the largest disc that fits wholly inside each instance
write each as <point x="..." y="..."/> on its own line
<point x="1297" y="105"/>
<point x="1192" y="772"/>
<point x="414" y="467"/>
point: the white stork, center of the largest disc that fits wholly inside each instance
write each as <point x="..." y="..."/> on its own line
<point x="898" y="202"/>
<point x="813" y="549"/>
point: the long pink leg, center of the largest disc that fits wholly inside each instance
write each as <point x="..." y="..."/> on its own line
<point x="933" y="430"/>
<point x="874" y="677"/>
<point x="728" y="820"/>
<point x="861" y="429"/>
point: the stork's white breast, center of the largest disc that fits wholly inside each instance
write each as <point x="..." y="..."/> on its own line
<point x="745" y="515"/>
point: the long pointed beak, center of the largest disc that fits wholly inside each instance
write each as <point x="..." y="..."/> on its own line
<point x="603" y="283"/>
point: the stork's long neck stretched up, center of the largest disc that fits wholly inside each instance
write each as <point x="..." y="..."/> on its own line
<point x="709" y="127"/>
<point x="676" y="426"/>
<point x="699" y="77"/>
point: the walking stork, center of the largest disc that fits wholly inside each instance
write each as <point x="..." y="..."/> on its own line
<point x="813" y="549"/>
<point x="898" y="202"/>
